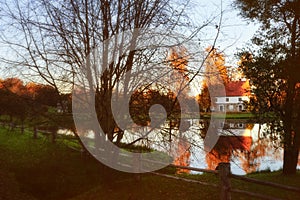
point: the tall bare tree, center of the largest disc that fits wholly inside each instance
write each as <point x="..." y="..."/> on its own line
<point x="55" y="41"/>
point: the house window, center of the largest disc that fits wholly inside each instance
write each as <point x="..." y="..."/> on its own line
<point x="240" y="99"/>
<point x="227" y="99"/>
<point x="221" y="108"/>
<point x="240" y="108"/>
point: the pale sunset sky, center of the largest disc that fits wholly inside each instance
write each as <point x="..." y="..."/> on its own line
<point x="235" y="32"/>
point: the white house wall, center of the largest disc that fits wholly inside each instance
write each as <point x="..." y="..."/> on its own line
<point x="230" y="104"/>
<point x="222" y="100"/>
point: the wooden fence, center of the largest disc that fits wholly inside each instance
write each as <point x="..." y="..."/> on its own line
<point x="225" y="176"/>
<point x="224" y="173"/>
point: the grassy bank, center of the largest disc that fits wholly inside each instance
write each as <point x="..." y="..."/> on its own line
<point x="243" y="115"/>
<point x="37" y="169"/>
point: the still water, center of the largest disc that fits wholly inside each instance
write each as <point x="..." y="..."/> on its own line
<point x="249" y="147"/>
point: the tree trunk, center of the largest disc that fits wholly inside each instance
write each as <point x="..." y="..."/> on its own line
<point x="119" y="137"/>
<point x="291" y="155"/>
<point x="291" y="149"/>
<point x="290" y="160"/>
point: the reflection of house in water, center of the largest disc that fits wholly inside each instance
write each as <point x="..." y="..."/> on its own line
<point x="233" y="137"/>
<point x="235" y="129"/>
<point x="241" y="142"/>
<point x="249" y="147"/>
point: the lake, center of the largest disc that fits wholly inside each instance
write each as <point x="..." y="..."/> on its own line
<point x="249" y="147"/>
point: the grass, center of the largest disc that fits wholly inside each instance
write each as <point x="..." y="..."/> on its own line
<point x="36" y="169"/>
<point x="229" y="115"/>
<point x="151" y="187"/>
<point x="45" y="170"/>
<point x="275" y="177"/>
<point x="240" y="115"/>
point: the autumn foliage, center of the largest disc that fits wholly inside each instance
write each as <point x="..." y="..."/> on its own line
<point x="216" y="76"/>
<point x="25" y="102"/>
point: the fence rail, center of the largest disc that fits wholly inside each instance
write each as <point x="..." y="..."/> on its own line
<point x="195" y="169"/>
<point x="185" y="179"/>
<point x="276" y="185"/>
<point x="225" y="186"/>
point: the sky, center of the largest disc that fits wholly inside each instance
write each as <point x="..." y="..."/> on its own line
<point x="235" y="32"/>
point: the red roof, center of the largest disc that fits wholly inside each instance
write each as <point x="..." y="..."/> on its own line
<point x="237" y="88"/>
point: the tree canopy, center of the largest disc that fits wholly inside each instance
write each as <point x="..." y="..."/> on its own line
<point x="272" y="63"/>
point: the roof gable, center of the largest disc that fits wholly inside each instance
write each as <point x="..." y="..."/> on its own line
<point x="237" y="88"/>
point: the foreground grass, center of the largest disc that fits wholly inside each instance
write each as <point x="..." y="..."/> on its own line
<point x="153" y="187"/>
<point x="275" y="177"/>
<point x="45" y="170"/>
<point x="36" y="169"/>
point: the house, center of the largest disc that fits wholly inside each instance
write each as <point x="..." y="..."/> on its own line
<point x="237" y="92"/>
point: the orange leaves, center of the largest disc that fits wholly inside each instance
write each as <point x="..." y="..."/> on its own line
<point x="14" y="85"/>
<point x="215" y="70"/>
<point x="178" y="59"/>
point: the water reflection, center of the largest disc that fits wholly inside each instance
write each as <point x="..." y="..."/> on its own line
<point x="247" y="146"/>
<point x="184" y="153"/>
<point x="225" y="148"/>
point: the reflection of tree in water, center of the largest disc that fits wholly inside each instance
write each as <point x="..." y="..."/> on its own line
<point x="249" y="158"/>
<point x="170" y="138"/>
<point x="249" y="149"/>
<point x="261" y="148"/>
<point x="174" y="97"/>
<point x="225" y="148"/>
<point x="178" y="143"/>
<point x="184" y="154"/>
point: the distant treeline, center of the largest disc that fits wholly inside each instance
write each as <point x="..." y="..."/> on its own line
<point x="33" y="104"/>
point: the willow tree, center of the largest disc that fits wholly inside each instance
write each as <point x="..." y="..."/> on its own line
<point x="273" y="65"/>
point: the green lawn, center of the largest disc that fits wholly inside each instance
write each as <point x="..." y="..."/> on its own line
<point x="37" y="169"/>
<point x="242" y="115"/>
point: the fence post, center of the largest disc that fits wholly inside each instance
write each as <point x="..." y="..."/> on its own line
<point x="224" y="171"/>
<point x="137" y="163"/>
